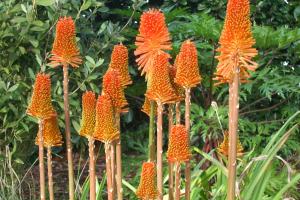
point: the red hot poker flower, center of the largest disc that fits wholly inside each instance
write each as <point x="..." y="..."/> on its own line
<point x="119" y="61"/>
<point x="224" y="146"/>
<point x="51" y="133"/>
<point x="65" y="50"/>
<point x="186" y="63"/>
<point x="159" y="87"/>
<point x="88" y="114"/>
<point x="153" y="38"/>
<point x="178" y="150"/>
<point x="236" y="43"/>
<point x="147" y="187"/>
<point x="40" y="105"/>
<point x="179" y="90"/>
<point x="105" y="130"/>
<point x="113" y="88"/>
<point x="147" y="107"/>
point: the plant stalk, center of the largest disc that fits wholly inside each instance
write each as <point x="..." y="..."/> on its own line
<point x="113" y="167"/>
<point x="187" y="126"/>
<point x="50" y="174"/>
<point x="92" y="171"/>
<point x="68" y="132"/>
<point x="108" y="171"/>
<point x="151" y="145"/>
<point x="159" y="150"/>
<point x="119" y="161"/>
<point x="171" y="174"/>
<point x="177" y="181"/>
<point x="41" y="161"/>
<point x="233" y="127"/>
<point x="177" y="107"/>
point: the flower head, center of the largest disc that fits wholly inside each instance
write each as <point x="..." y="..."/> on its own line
<point x="153" y="38"/>
<point x="105" y="129"/>
<point x="40" y="105"/>
<point x="88" y="114"/>
<point x="147" y="187"/>
<point x="159" y="86"/>
<point x="187" y="74"/>
<point x="147" y="107"/>
<point x="65" y="50"/>
<point x="51" y="133"/>
<point x="179" y="90"/>
<point x="178" y="149"/>
<point x="236" y="43"/>
<point x="113" y="88"/>
<point x="119" y="61"/>
<point x="224" y="146"/>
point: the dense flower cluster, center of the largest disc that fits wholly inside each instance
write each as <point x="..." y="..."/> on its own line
<point x="147" y="187"/>
<point x="51" y="133"/>
<point x="236" y="43"/>
<point x="88" y="114"/>
<point x="105" y="129"/>
<point x="119" y="61"/>
<point x="153" y="38"/>
<point x="40" y="105"/>
<point x="186" y="63"/>
<point x="178" y="149"/>
<point x="65" y="50"/>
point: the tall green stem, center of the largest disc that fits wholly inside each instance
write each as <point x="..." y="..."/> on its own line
<point x="159" y="150"/>
<point x="151" y="146"/>
<point x="50" y="174"/>
<point x="233" y="127"/>
<point x="92" y="171"/>
<point x="119" y="161"/>
<point x="171" y="166"/>
<point x="41" y="160"/>
<point x="187" y="126"/>
<point x="68" y="132"/>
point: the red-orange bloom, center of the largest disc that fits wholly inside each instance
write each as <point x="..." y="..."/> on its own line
<point x="179" y="90"/>
<point x="224" y="146"/>
<point x="65" y="50"/>
<point x="159" y="86"/>
<point x="40" y="105"/>
<point x="88" y="114"/>
<point x="119" y="61"/>
<point x="147" y="107"/>
<point x="51" y="133"/>
<point x="147" y="187"/>
<point x="113" y="88"/>
<point x="105" y="129"/>
<point x="178" y="149"/>
<point x="153" y="38"/>
<point x="187" y="74"/>
<point x="236" y="43"/>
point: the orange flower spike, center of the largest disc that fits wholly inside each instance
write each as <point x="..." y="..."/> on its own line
<point x="187" y="74"/>
<point x="224" y="146"/>
<point x="65" y="50"/>
<point x="153" y="38"/>
<point x="105" y="130"/>
<point x="119" y="61"/>
<point x="88" y="114"/>
<point x="147" y="187"/>
<point x="159" y="86"/>
<point x="236" y="43"/>
<point x="178" y="149"/>
<point x="178" y="88"/>
<point x="40" y="105"/>
<point x="147" y="108"/>
<point x="51" y="133"/>
<point x="113" y="88"/>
